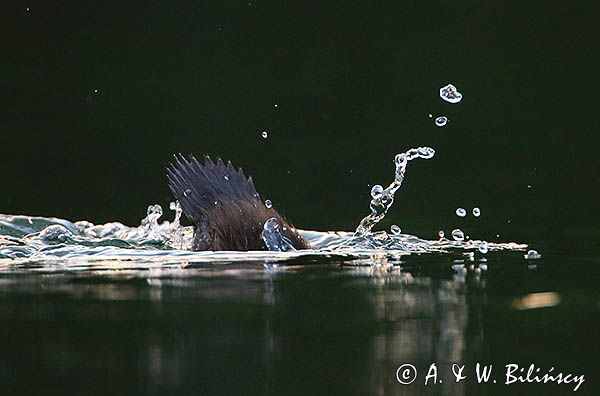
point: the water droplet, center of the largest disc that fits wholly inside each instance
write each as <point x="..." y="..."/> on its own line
<point x="425" y="152"/>
<point x="54" y="233"/>
<point x="187" y="193"/>
<point x="265" y="134"/>
<point x="226" y="177"/>
<point x="441" y="121"/>
<point x="268" y="204"/>
<point x="460" y="212"/>
<point x="95" y="90"/>
<point x="458" y="235"/>
<point x="275" y="105"/>
<point x="532" y="255"/>
<point x="529" y="186"/>
<point x="376" y="191"/>
<point x="395" y="229"/>
<point x="430" y="115"/>
<point x="383" y="199"/>
<point x="483" y="247"/>
<point x="154" y="210"/>
<point x="450" y="94"/>
<point x="476" y="212"/>
<point x="272" y="237"/>
<point x="441" y="233"/>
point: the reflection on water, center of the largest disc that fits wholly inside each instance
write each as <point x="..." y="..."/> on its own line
<point x="310" y="326"/>
<point x="427" y="323"/>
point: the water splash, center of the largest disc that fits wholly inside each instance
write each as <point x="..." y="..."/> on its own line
<point x="384" y="198"/>
<point x="273" y="238"/>
<point x="27" y="240"/>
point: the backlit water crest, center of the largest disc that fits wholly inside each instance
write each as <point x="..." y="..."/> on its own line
<point x="42" y="239"/>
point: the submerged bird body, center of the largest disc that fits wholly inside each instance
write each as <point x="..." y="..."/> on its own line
<point x="224" y="206"/>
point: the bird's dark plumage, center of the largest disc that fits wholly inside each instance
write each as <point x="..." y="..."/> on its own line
<point x="223" y="205"/>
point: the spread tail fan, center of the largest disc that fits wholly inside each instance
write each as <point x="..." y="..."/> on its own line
<point x="198" y="186"/>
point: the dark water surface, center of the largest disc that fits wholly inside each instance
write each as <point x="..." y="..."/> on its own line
<point x="307" y="327"/>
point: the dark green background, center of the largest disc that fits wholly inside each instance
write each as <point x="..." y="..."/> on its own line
<point x="354" y="83"/>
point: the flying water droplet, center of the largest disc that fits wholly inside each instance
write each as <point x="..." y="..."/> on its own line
<point x="395" y="229"/>
<point x="532" y="255"/>
<point x="483" y="247"/>
<point x="268" y="204"/>
<point x="441" y="121"/>
<point x="376" y="191"/>
<point x="265" y="134"/>
<point x="425" y="152"/>
<point x="226" y="177"/>
<point x="476" y="212"/>
<point x="460" y="212"/>
<point x="441" y="233"/>
<point x="155" y="210"/>
<point x="458" y="235"/>
<point x="450" y="94"/>
<point x="187" y="193"/>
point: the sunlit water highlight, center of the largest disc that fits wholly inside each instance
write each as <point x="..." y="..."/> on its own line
<point x="25" y="239"/>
